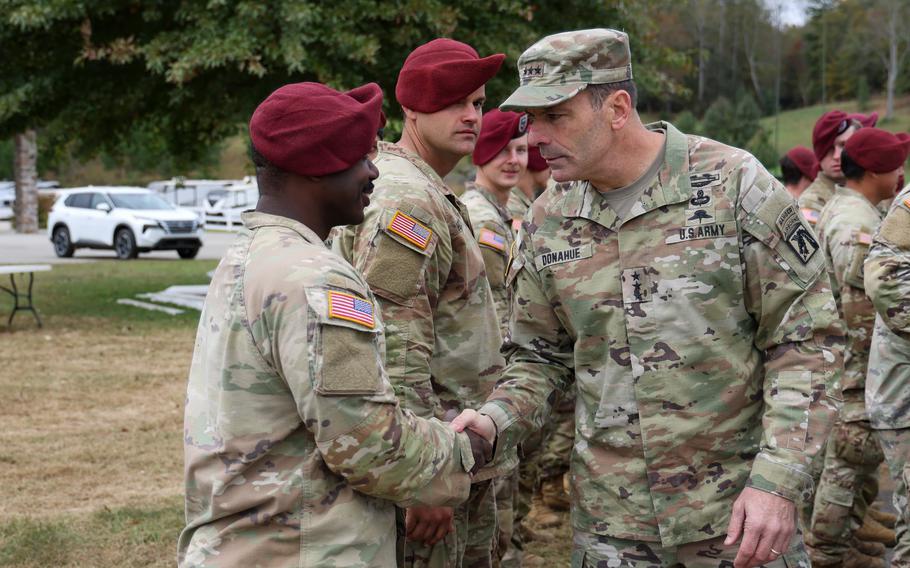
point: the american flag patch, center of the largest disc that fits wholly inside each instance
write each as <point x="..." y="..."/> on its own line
<point x="351" y="308"/>
<point x="409" y="228"/>
<point x="492" y="239"/>
<point x="907" y="203"/>
<point x="864" y="238"/>
<point x="810" y="214"/>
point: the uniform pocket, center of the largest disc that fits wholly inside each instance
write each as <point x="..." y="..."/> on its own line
<point x="400" y="251"/>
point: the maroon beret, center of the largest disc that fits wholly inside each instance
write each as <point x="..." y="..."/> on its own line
<point x="831" y="125"/>
<point x="313" y="130"/>
<point x="804" y="160"/>
<point x="877" y="150"/>
<point x="536" y="163"/>
<point x="497" y="130"/>
<point x="443" y="72"/>
<point x="866" y="120"/>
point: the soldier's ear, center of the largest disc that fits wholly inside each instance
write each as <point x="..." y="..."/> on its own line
<point x="620" y="103"/>
<point x="408" y="113"/>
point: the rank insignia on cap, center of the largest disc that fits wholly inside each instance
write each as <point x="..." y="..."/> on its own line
<point x="351" y="308"/>
<point x="492" y="239"/>
<point x="811" y="215"/>
<point x="409" y="228"/>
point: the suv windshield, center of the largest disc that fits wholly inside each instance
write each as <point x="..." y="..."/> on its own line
<point x="139" y="201"/>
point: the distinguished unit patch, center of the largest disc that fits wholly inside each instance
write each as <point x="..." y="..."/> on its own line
<point x="351" y="308"/>
<point x="798" y="236"/>
<point x="811" y="215"/>
<point x="410" y="229"/>
<point x="491" y="239"/>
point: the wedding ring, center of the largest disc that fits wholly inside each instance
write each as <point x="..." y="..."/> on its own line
<point x="774" y="552"/>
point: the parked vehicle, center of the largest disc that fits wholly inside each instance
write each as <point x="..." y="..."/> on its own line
<point x="224" y="206"/>
<point x="191" y="193"/>
<point x="128" y="220"/>
<point x="8" y="195"/>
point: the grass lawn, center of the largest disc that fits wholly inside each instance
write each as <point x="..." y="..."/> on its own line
<point x="90" y="433"/>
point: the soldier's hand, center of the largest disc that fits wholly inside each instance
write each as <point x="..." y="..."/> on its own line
<point x="428" y="524"/>
<point x="476" y="422"/>
<point x="765" y="522"/>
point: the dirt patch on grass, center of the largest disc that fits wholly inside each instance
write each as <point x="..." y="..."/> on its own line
<point x="92" y="417"/>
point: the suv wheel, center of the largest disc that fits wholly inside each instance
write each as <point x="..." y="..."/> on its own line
<point x="189" y="252"/>
<point x="125" y="244"/>
<point x="63" y="245"/>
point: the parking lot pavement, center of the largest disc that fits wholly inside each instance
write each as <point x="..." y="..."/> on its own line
<point x="37" y="248"/>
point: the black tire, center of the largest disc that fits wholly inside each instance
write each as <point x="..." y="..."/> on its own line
<point x="125" y="244"/>
<point x="63" y="245"/>
<point x="188" y="253"/>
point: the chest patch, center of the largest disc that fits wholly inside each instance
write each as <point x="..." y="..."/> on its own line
<point x="636" y="285"/>
<point x="516" y="224"/>
<point x="798" y="237"/>
<point x="705" y="179"/>
<point x="700" y="210"/>
<point x="558" y="256"/>
<point x="491" y="239"/>
<point x="695" y="233"/>
<point x="410" y="229"/>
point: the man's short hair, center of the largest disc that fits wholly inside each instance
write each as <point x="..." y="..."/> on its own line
<point x="600" y="92"/>
<point x="789" y="171"/>
<point x="269" y="177"/>
<point x="850" y="168"/>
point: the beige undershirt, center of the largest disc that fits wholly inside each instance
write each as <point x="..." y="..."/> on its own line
<point x="622" y="199"/>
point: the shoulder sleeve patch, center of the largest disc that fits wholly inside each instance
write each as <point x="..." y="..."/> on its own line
<point x="491" y="239"/>
<point x="350" y="308"/>
<point x="410" y="229"/>
<point x="797" y="236"/>
<point x="811" y="215"/>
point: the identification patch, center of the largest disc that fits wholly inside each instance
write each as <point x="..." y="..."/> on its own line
<point x="811" y="215"/>
<point x="799" y="238"/>
<point x="695" y="233"/>
<point x="351" y="308"/>
<point x="410" y="229"/>
<point x="705" y="179"/>
<point x="558" y="256"/>
<point x="491" y="239"/>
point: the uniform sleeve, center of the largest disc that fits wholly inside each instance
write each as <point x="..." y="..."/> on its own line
<point x="403" y="250"/>
<point x="887" y="272"/>
<point x="797" y="330"/>
<point x="326" y="342"/>
<point x="494" y="247"/>
<point x="540" y="356"/>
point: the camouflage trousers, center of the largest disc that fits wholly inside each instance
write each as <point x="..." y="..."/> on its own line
<point x="470" y="545"/>
<point x="598" y="551"/>
<point x="896" y="447"/>
<point x="505" y="552"/>
<point x="847" y="487"/>
<point x="542" y="455"/>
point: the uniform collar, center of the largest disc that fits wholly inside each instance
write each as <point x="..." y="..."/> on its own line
<point x="845" y="191"/>
<point x="491" y="198"/>
<point x="522" y="198"/>
<point x="671" y="186"/>
<point x="254" y="220"/>
<point x="396" y="150"/>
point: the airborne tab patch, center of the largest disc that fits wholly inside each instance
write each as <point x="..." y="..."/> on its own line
<point x="351" y="308"/>
<point x="491" y="239"/>
<point x="799" y="238"/>
<point x="410" y="229"/>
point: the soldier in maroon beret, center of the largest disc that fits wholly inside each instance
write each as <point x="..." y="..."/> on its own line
<point x="831" y="132"/>
<point x="798" y="168"/>
<point x="421" y="258"/>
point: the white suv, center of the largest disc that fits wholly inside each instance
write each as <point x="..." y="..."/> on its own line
<point x="129" y="220"/>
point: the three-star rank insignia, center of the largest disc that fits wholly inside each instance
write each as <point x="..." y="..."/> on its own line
<point x="798" y="237"/>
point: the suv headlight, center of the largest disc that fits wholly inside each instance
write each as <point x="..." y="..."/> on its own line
<point x="149" y="223"/>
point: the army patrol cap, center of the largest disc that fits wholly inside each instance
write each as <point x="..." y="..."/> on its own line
<point x="560" y="66"/>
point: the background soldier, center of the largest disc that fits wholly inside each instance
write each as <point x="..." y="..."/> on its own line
<point x="533" y="182"/>
<point x="871" y="162"/>
<point x="831" y="132"/>
<point x="667" y="289"/>
<point x="887" y="281"/>
<point x="501" y="156"/>
<point x="419" y="256"/>
<point x="288" y="406"/>
<point x="798" y="168"/>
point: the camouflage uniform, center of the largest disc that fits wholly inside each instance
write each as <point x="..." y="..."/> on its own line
<point x="700" y="336"/>
<point x="887" y="279"/>
<point x="845" y="229"/>
<point x="518" y="206"/>
<point x="815" y="197"/>
<point x="289" y="409"/>
<point x="421" y="259"/>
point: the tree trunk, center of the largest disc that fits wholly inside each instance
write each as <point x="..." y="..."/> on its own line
<point x="25" y="171"/>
